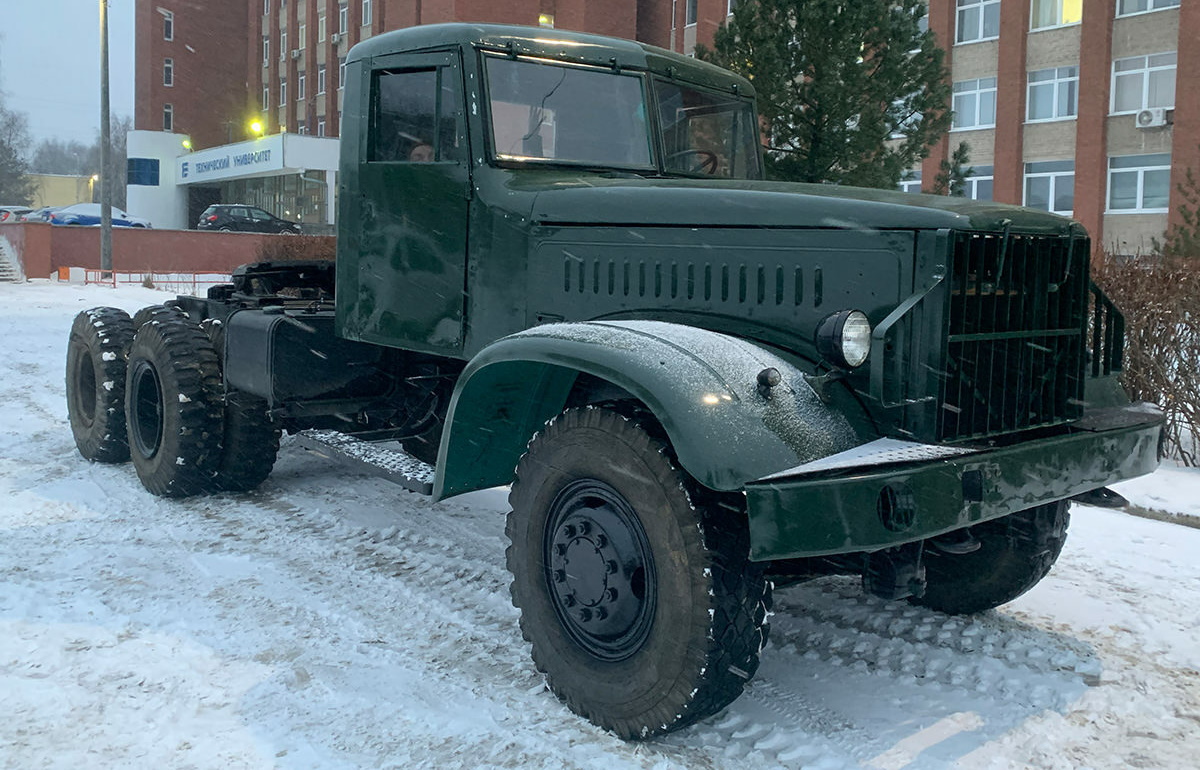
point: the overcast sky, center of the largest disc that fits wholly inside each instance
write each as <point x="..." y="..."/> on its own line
<point x="50" y="64"/>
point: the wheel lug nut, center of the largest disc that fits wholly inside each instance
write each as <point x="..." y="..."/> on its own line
<point x="601" y="541"/>
<point x="560" y="549"/>
<point x="585" y="527"/>
<point x="559" y="576"/>
<point x="585" y="614"/>
<point x="569" y="531"/>
<point x="610" y="566"/>
<point x="601" y="613"/>
<point x="569" y="600"/>
<point x="610" y="595"/>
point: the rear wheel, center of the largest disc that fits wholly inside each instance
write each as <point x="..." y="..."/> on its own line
<point x="634" y="585"/>
<point x="250" y="443"/>
<point x="1015" y="552"/>
<point x="96" y="351"/>
<point x="173" y="408"/>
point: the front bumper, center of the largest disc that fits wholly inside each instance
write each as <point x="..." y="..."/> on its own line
<point x="888" y="493"/>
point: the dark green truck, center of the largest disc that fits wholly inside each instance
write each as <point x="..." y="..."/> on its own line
<point x="556" y="254"/>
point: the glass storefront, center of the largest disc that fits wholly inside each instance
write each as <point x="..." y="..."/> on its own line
<point x="296" y="197"/>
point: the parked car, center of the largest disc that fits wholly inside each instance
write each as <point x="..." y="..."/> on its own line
<point x="238" y="217"/>
<point x="89" y="214"/>
<point x="39" y="215"/>
<point x="13" y="213"/>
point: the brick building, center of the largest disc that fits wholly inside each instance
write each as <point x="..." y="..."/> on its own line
<point x="1067" y="105"/>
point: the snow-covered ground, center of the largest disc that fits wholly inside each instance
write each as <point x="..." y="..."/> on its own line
<point x="332" y="621"/>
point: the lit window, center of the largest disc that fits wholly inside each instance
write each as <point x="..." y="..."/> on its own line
<point x="1128" y="7"/>
<point x="1139" y="182"/>
<point x="1055" y="13"/>
<point x="1053" y="94"/>
<point x="282" y="91"/>
<point x="168" y="72"/>
<point x="975" y="103"/>
<point x="978" y="20"/>
<point x="366" y="12"/>
<point x="1143" y="81"/>
<point x="320" y="78"/>
<point x="911" y="181"/>
<point x="1050" y="186"/>
<point x="168" y="118"/>
<point x="300" y="83"/>
<point x="168" y="25"/>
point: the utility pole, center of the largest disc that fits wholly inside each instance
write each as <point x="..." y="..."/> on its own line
<point x="105" y="152"/>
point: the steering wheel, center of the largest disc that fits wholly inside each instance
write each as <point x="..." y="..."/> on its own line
<point x="706" y="161"/>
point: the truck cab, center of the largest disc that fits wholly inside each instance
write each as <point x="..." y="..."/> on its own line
<point x="557" y="254"/>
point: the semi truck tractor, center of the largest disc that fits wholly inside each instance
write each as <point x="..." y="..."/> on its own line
<point x="560" y="268"/>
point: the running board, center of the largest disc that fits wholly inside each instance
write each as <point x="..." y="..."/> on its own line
<point x="391" y="464"/>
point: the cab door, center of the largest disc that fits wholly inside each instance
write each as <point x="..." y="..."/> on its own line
<point x="413" y="191"/>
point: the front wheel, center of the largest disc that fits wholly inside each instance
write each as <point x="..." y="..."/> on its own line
<point x="634" y="584"/>
<point x="1015" y="552"/>
<point x="96" y="351"/>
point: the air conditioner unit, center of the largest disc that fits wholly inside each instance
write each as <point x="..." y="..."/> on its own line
<point x="296" y="53"/>
<point x="335" y="38"/>
<point x="1153" y="117"/>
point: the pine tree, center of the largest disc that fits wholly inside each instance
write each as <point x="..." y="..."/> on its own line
<point x="850" y="92"/>
<point x="16" y="188"/>
<point x="953" y="173"/>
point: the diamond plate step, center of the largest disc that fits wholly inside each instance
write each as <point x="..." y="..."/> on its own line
<point x="391" y="464"/>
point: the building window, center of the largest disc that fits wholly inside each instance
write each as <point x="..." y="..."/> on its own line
<point x="366" y="12"/>
<point x="300" y="84"/>
<point x="1139" y="182"/>
<point x="689" y="12"/>
<point x="266" y="7"/>
<point x="1130" y="7"/>
<point x="282" y="91"/>
<point x="341" y="72"/>
<point x="978" y="186"/>
<point x="266" y="100"/>
<point x="301" y="127"/>
<point x="975" y="103"/>
<point x="978" y="20"/>
<point x="168" y="118"/>
<point x="1053" y="94"/>
<point x="168" y="72"/>
<point x="168" y="25"/>
<point x="730" y="6"/>
<point x="302" y="36"/>
<point x="320" y="78"/>
<point x="320" y="126"/>
<point x="343" y="18"/>
<point x="321" y="28"/>
<point x="283" y="46"/>
<point x="266" y="50"/>
<point x="910" y="182"/>
<point x="1055" y="13"/>
<point x="1143" y="81"/>
<point x="1050" y="186"/>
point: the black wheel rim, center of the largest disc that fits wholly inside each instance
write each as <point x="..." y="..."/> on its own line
<point x="599" y="570"/>
<point x="85" y="388"/>
<point x="147" y="413"/>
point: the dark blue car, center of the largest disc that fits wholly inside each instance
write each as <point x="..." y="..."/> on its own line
<point x="89" y="214"/>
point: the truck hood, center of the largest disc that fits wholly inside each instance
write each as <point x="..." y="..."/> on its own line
<point x="608" y="200"/>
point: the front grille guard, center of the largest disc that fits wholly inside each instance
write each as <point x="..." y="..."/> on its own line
<point x="1107" y="335"/>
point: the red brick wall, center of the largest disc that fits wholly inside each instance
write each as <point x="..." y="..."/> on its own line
<point x="42" y="249"/>
<point x="941" y="23"/>
<point x="1185" y="149"/>
<point x="1091" y="152"/>
<point x="1010" y="104"/>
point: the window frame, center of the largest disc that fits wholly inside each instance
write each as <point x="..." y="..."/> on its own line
<point x="365" y="11"/>
<point x="977" y="92"/>
<point x="168" y="72"/>
<point x="1055" y="176"/>
<point x="283" y="49"/>
<point x="283" y="92"/>
<point x="343" y="18"/>
<point x="266" y="97"/>
<point x="320" y="79"/>
<point x="690" y="12"/>
<point x="168" y="118"/>
<point x="1146" y="71"/>
<point x="321" y="27"/>
<point x="168" y="25"/>
<point x="266" y="48"/>
<point x="320" y="127"/>
<point x="971" y="183"/>
<point x="910" y="177"/>
<point x="982" y="6"/>
<point x="301" y="85"/>
<point x="1059" y="8"/>
<point x="1127" y="14"/>
<point x="1141" y="183"/>
<point x="1056" y="84"/>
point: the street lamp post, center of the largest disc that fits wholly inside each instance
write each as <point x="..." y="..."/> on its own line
<point x="105" y="151"/>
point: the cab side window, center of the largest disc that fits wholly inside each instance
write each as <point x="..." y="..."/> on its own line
<point x="415" y="116"/>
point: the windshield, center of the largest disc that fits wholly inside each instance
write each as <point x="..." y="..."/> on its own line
<point x="543" y="111"/>
<point x="705" y="133"/>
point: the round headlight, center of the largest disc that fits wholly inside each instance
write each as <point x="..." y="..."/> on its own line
<point x="844" y="338"/>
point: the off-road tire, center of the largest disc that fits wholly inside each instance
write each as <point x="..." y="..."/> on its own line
<point x="249" y="446"/>
<point x="156" y="312"/>
<point x="699" y="624"/>
<point x="1015" y="552"/>
<point x="96" y="352"/>
<point x="173" y="407"/>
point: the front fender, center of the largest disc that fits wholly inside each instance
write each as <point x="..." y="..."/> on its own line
<point x="700" y="385"/>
